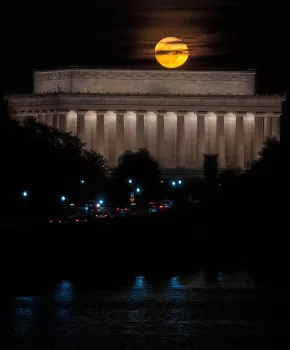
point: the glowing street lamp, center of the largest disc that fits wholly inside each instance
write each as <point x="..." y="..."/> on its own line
<point x="82" y="181"/>
<point x="101" y="201"/>
<point x="130" y="181"/>
<point x="63" y="198"/>
<point x="179" y="182"/>
<point x="138" y="190"/>
<point x="24" y="194"/>
<point x="173" y="183"/>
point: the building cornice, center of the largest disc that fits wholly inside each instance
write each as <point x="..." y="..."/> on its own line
<point x="64" y="101"/>
<point x="144" y="75"/>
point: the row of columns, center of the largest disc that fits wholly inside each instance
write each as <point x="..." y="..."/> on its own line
<point x="175" y="139"/>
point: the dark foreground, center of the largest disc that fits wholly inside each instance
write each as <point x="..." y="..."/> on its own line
<point x="191" y="312"/>
<point x="119" y="284"/>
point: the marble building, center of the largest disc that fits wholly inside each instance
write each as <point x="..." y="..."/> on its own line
<point x="178" y="115"/>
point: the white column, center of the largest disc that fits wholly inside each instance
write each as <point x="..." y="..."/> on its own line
<point x="119" y="133"/>
<point x="48" y="119"/>
<point x="249" y="135"/>
<point x="90" y="120"/>
<point x="72" y="122"/>
<point x="110" y="138"/>
<point x="240" y="141"/>
<point x="160" y="138"/>
<point x="150" y="133"/>
<point x="170" y="140"/>
<point x="267" y="127"/>
<point x="200" y="139"/>
<point x="81" y="125"/>
<point x="210" y="129"/>
<point x="259" y="138"/>
<point x="140" y="129"/>
<point x="41" y="118"/>
<point x="276" y="126"/>
<point x="220" y="140"/>
<point x="180" y="161"/>
<point x="62" y="121"/>
<point x="100" y="144"/>
<point x="230" y="136"/>
<point x="55" y="120"/>
<point x="190" y="140"/>
<point x="130" y="130"/>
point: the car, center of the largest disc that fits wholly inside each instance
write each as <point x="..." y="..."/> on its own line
<point x="156" y="207"/>
<point x="103" y="215"/>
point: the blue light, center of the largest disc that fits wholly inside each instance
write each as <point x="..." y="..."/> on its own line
<point x="140" y="282"/>
<point x="63" y="198"/>
<point x="173" y="183"/>
<point x="130" y="181"/>
<point x="64" y="292"/>
<point x="179" y="182"/>
<point x="175" y="283"/>
<point x="101" y="201"/>
<point x="24" y="194"/>
<point x="138" y="190"/>
<point x="82" y="182"/>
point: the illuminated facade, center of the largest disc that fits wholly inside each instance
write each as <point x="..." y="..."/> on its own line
<point x="178" y="115"/>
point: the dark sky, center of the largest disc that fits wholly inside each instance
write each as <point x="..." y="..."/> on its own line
<point x="235" y="34"/>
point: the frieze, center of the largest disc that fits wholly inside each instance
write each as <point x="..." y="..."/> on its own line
<point x="227" y="101"/>
<point x="54" y="75"/>
<point x="145" y="75"/>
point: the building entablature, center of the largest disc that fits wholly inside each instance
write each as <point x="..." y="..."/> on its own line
<point x="132" y="102"/>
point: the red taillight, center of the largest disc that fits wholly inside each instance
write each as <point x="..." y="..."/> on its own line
<point x="161" y="206"/>
<point x="125" y="209"/>
<point x="59" y="221"/>
<point x="85" y="220"/>
<point x="77" y="220"/>
<point x="153" y="206"/>
<point x="105" y="216"/>
<point x="97" y="216"/>
<point x="51" y="221"/>
<point x="118" y="209"/>
<point x="150" y="203"/>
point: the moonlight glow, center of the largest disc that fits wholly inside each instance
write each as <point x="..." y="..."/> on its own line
<point x="171" y="52"/>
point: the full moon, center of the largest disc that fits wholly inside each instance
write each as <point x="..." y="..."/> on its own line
<point x="171" y="52"/>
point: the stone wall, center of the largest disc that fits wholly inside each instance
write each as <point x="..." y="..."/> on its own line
<point x="146" y="82"/>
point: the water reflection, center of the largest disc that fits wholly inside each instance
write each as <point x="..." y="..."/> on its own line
<point x="25" y="298"/>
<point x="64" y="292"/>
<point x="220" y="276"/>
<point x="176" y="311"/>
<point x="25" y="315"/>
<point x="139" y="288"/>
<point x="175" y="283"/>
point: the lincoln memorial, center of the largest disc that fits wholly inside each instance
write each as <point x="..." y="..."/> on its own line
<point x="177" y="115"/>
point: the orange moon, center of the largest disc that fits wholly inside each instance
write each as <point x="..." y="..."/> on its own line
<point x="171" y="52"/>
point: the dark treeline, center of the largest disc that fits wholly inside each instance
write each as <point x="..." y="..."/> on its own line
<point x="241" y="221"/>
<point x="47" y="164"/>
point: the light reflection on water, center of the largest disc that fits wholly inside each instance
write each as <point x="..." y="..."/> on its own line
<point x="178" y="310"/>
<point x="64" y="292"/>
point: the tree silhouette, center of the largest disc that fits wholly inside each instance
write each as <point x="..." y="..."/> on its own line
<point x="141" y="167"/>
<point x="47" y="162"/>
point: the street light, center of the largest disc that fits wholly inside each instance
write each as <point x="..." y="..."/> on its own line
<point x="82" y="182"/>
<point x="173" y="183"/>
<point x="179" y="182"/>
<point x="24" y="194"/>
<point x="63" y="198"/>
<point x="130" y="181"/>
<point x="138" y="190"/>
<point x="101" y="201"/>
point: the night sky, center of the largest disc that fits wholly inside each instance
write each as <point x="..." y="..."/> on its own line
<point x="221" y="34"/>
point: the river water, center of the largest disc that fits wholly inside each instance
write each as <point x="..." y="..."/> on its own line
<point x="225" y="311"/>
